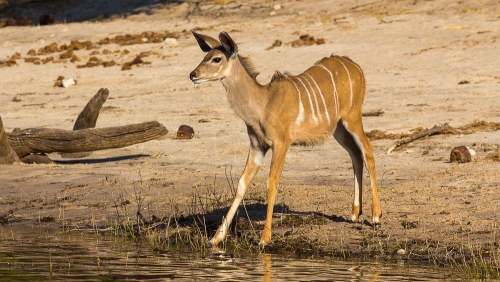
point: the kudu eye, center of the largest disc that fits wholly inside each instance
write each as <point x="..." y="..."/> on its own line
<point x="217" y="60"/>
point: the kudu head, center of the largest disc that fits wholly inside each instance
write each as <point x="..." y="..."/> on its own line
<point x="219" y="60"/>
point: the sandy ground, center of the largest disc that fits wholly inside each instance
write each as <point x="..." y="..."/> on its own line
<point x="426" y="62"/>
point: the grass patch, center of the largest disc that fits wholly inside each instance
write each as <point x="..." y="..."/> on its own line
<point x="296" y="234"/>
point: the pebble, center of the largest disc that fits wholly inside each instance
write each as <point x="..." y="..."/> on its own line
<point x="67" y="82"/>
<point x="461" y="154"/>
<point x="170" y="42"/>
<point x="185" y="132"/>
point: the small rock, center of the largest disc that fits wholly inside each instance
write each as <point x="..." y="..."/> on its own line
<point x="307" y="40"/>
<point x="461" y="154"/>
<point x="46" y="19"/>
<point x="401" y="252"/>
<point x="16" y="56"/>
<point x="74" y="58"/>
<point x="273" y="13"/>
<point x="145" y="54"/>
<point x="18" y="21"/>
<point x="67" y="82"/>
<point x="170" y="42"/>
<point x="126" y="66"/>
<point x="277" y="7"/>
<point x="185" y="132"/>
<point x="276" y="43"/>
<point x="58" y="82"/>
<point x="108" y="64"/>
<point x="494" y="156"/>
<point x="66" y="55"/>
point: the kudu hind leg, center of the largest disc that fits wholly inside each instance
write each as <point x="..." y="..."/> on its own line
<point x="255" y="156"/>
<point x="347" y="142"/>
<point x="358" y="134"/>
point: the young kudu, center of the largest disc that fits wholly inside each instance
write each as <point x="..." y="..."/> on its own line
<point x="305" y="109"/>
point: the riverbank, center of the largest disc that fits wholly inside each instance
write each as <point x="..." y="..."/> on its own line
<point x="426" y="64"/>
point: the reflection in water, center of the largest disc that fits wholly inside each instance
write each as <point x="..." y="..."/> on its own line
<point x="38" y="253"/>
<point x="268" y="274"/>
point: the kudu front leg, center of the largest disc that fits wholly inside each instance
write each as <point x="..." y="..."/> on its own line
<point x="254" y="160"/>
<point x="277" y="163"/>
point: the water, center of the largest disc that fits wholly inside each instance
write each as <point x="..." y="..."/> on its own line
<point x="43" y="253"/>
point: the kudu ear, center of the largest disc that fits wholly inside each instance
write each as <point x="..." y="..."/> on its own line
<point x="228" y="43"/>
<point x="206" y="43"/>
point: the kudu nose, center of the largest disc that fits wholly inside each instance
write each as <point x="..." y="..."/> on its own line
<point x="192" y="75"/>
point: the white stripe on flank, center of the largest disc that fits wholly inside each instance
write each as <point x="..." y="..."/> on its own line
<point x="360" y="71"/>
<point x="315" y="119"/>
<point x="350" y="80"/>
<point x="322" y="97"/>
<point x="315" y="98"/>
<point x="300" y="117"/>
<point x="335" y="94"/>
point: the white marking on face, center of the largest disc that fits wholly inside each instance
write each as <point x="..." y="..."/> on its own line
<point x="315" y="119"/>
<point x="217" y="72"/>
<point x="350" y="80"/>
<point x="322" y="98"/>
<point x="335" y="94"/>
<point x="300" y="117"/>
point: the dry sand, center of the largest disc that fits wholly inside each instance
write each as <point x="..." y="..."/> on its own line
<point x="415" y="54"/>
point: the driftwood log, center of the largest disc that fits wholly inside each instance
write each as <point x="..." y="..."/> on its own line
<point x="88" y="119"/>
<point x="7" y="155"/>
<point x="31" y="145"/>
<point x="47" y="140"/>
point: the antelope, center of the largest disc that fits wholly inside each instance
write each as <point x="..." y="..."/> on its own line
<point x="306" y="109"/>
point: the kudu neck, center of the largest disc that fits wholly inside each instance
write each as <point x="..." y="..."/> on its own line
<point x="242" y="88"/>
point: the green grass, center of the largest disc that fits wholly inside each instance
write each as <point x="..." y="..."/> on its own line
<point x="190" y="230"/>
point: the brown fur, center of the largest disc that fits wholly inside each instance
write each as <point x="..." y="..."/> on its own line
<point x="249" y="66"/>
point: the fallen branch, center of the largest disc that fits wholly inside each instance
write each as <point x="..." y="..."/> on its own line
<point x="7" y="155"/>
<point x="31" y="145"/>
<point x="433" y="131"/>
<point x="88" y="118"/>
<point x="46" y="140"/>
